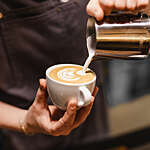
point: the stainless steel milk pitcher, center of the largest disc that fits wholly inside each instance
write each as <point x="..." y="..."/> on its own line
<point x="120" y="36"/>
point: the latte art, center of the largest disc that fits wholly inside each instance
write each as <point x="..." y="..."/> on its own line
<point x="68" y="74"/>
<point x="71" y="74"/>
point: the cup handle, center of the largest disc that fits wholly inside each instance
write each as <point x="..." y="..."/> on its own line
<point x="84" y="96"/>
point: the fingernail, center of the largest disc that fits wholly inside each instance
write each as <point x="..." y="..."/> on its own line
<point x="42" y="84"/>
<point x="98" y="16"/>
<point x="73" y="108"/>
<point x="41" y="88"/>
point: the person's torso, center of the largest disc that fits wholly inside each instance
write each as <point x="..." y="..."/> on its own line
<point x="34" y="37"/>
<point x="15" y="4"/>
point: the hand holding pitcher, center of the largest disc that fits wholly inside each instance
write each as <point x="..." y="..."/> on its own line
<point x="99" y="8"/>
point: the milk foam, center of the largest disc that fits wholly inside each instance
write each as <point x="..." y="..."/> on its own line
<point x="68" y="74"/>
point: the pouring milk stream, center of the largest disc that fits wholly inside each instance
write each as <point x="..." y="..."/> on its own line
<point x="121" y="35"/>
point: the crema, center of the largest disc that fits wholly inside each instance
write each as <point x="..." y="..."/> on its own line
<point x="71" y="74"/>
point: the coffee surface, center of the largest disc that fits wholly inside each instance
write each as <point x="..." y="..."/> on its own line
<point x="71" y="74"/>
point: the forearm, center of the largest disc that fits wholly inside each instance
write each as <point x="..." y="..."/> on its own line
<point x="10" y="116"/>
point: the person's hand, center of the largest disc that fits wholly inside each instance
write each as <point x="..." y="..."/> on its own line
<point x="99" y="8"/>
<point x="41" y="118"/>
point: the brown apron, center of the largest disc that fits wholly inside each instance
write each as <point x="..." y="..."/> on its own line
<point x="33" y="38"/>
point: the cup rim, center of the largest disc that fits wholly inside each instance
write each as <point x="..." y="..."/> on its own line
<point x="63" y="83"/>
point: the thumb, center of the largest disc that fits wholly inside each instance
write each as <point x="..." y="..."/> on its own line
<point x="94" y="9"/>
<point x="41" y="96"/>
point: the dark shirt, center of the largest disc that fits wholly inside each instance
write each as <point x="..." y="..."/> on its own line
<point x="32" y="39"/>
<point x="15" y="4"/>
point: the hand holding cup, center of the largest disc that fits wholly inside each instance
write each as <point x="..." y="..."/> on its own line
<point x="49" y="119"/>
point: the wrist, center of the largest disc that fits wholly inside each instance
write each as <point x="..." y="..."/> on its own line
<point x="23" y="126"/>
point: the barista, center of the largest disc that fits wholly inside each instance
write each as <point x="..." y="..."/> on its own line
<point x="36" y="34"/>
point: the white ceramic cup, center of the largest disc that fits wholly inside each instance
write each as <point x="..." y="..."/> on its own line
<point x="60" y="93"/>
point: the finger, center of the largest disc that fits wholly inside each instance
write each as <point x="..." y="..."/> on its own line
<point x="41" y="95"/>
<point x="106" y="3"/>
<point x="66" y="122"/>
<point x="42" y="84"/>
<point x="95" y="91"/>
<point x="131" y="4"/>
<point x="120" y="4"/>
<point x="142" y="3"/>
<point x="94" y="9"/>
<point x="83" y="113"/>
<point x="107" y="6"/>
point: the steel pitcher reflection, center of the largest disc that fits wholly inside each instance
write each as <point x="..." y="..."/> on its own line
<point x="120" y="36"/>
